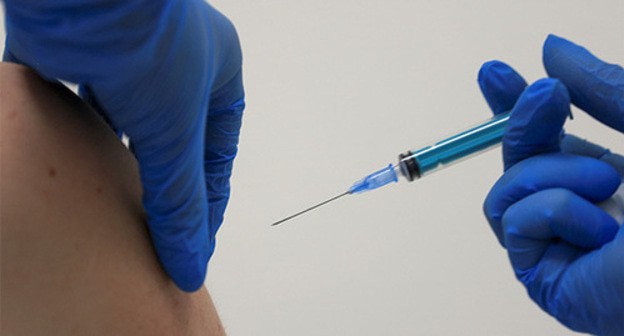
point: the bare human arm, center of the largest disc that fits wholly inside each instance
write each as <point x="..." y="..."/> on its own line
<point x="76" y="255"/>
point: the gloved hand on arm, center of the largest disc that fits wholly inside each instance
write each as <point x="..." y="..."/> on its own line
<point x="565" y="249"/>
<point x="167" y="74"/>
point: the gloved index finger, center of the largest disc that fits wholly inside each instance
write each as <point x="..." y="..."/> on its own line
<point x="594" y="85"/>
<point x="501" y="85"/>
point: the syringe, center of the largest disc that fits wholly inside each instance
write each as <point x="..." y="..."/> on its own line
<point x="415" y="164"/>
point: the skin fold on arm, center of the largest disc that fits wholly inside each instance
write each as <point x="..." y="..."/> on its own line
<point x="75" y="252"/>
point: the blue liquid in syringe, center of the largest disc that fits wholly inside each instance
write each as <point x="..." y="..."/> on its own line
<point x="461" y="145"/>
<point x="417" y="163"/>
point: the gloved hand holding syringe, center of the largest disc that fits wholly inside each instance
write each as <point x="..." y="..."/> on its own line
<point x="558" y="208"/>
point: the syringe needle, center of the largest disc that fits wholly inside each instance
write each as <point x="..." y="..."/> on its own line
<point x="311" y="208"/>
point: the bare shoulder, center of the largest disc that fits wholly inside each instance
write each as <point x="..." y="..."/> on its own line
<point x="76" y="254"/>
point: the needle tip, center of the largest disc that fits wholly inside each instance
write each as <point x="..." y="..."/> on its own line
<point x="310" y="208"/>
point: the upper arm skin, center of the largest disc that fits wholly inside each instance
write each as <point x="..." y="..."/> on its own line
<point x="76" y="255"/>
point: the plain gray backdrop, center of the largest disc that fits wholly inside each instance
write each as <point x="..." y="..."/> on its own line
<point x="335" y="90"/>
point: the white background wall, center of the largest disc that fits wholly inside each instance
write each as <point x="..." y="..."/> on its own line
<point x="336" y="89"/>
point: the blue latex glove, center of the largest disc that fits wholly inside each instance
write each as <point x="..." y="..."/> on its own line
<point x="166" y="73"/>
<point x="567" y="251"/>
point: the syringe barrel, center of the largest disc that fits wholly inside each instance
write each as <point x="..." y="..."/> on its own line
<point x="475" y="140"/>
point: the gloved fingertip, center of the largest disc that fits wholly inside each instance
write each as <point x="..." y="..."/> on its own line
<point x="179" y="229"/>
<point x="493" y="211"/>
<point x="552" y="49"/>
<point x="536" y="122"/>
<point x="489" y="67"/>
<point x="547" y="93"/>
<point x="616" y="161"/>
<point x="183" y="252"/>
<point x="500" y="84"/>
<point x="561" y="56"/>
<point x="189" y="276"/>
<point x="549" y="87"/>
<point x="8" y="56"/>
<point x="578" y="221"/>
<point x="553" y="41"/>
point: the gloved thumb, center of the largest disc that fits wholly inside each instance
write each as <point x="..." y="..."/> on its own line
<point x="170" y="154"/>
<point x="536" y="121"/>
